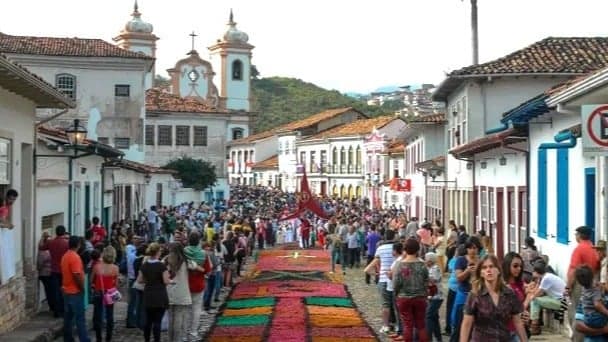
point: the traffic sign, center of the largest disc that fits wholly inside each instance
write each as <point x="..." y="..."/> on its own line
<point x="594" y="127"/>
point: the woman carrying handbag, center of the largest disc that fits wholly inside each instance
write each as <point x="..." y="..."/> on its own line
<point x="105" y="282"/>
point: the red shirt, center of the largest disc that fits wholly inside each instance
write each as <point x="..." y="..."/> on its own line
<point x="196" y="279"/>
<point x="99" y="234"/>
<point x="5" y="211"/>
<point x="57" y="248"/>
<point x="584" y="254"/>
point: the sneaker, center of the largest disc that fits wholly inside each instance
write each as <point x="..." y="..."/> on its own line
<point x="385" y="329"/>
<point x="211" y="311"/>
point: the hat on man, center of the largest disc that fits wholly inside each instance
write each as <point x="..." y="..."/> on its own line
<point x="600" y="245"/>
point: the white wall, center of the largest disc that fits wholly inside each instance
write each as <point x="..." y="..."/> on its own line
<point x="17" y="115"/>
<point x="96" y="78"/>
<point x="288" y="161"/>
<point x="542" y="133"/>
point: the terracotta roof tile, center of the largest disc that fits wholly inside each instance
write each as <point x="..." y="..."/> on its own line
<point x="138" y="167"/>
<point x="295" y="125"/>
<point x="488" y="142"/>
<point x="316" y="118"/>
<point x="430" y="118"/>
<point x="551" y="55"/>
<point x="270" y="163"/>
<point x="357" y="127"/>
<point x="396" y="147"/>
<point x="54" y="46"/>
<point x="163" y="101"/>
<point x="60" y="136"/>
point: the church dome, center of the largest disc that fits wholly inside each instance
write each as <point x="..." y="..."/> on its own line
<point x="136" y="25"/>
<point x="234" y="35"/>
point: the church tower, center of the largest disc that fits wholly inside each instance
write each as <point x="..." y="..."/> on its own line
<point x="231" y="59"/>
<point x="137" y="36"/>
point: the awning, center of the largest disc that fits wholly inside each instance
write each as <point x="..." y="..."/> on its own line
<point x="489" y="142"/>
<point x="527" y="111"/>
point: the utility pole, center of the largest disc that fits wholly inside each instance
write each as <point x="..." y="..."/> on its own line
<point x="474" y="33"/>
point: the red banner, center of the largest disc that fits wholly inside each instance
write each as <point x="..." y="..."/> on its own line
<point x="306" y="201"/>
<point x="401" y="184"/>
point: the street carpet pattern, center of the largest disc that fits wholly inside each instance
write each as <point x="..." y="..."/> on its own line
<point x="289" y="295"/>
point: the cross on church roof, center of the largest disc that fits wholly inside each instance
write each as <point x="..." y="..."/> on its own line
<point x="193" y="35"/>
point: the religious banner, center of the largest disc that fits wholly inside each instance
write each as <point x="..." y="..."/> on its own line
<point x="7" y="254"/>
<point x="305" y="201"/>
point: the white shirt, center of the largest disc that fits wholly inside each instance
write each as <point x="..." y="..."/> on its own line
<point x="385" y="253"/>
<point x="552" y="285"/>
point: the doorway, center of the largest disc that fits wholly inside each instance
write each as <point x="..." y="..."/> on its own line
<point x="323" y="188"/>
<point x="500" y="232"/>
<point x="87" y="202"/>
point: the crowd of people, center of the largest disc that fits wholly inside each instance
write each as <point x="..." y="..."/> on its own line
<point x="177" y="260"/>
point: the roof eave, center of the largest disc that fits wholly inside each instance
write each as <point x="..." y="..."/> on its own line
<point x="579" y="89"/>
<point x="42" y="93"/>
<point x="452" y="82"/>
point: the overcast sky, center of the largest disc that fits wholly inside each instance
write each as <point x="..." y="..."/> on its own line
<point x="356" y="45"/>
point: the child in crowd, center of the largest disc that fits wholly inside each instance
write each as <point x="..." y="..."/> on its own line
<point x="596" y="314"/>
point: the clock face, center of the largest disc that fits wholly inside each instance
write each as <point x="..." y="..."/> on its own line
<point x="193" y="75"/>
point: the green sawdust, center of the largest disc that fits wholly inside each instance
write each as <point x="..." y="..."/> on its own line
<point x="243" y="320"/>
<point x="250" y="303"/>
<point x="330" y="301"/>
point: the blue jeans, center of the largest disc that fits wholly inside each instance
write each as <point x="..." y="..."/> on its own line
<point x="73" y="309"/>
<point x="336" y="254"/>
<point x="209" y="289"/>
<point x="218" y="284"/>
<point x="132" y="306"/>
<point x="432" y="319"/>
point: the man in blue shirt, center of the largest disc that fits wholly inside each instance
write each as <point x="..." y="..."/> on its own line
<point x="371" y="240"/>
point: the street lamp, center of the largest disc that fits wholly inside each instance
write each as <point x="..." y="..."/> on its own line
<point x="76" y="133"/>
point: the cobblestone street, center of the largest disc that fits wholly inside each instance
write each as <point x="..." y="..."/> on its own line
<point x="367" y="299"/>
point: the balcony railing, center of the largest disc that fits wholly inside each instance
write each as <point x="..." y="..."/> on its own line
<point x="342" y="168"/>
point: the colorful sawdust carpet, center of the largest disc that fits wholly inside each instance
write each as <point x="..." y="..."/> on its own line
<point x="290" y="295"/>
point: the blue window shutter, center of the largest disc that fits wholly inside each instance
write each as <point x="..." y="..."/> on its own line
<point x="542" y="194"/>
<point x="562" y="195"/>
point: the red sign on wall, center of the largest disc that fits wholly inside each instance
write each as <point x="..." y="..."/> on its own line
<point x="401" y="184"/>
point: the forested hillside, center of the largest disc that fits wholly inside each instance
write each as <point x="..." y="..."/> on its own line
<point x="279" y="100"/>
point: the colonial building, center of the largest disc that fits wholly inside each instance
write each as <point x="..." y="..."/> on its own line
<point x="106" y="82"/>
<point x="246" y="152"/>
<point x="336" y="160"/>
<point x="290" y="134"/>
<point x="193" y="118"/>
<point x="478" y="95"/>
<point x="266" y="172"/>
<point x="394" y="190"/>
<point x="21" y="93"/>
<point x="424" y="142"/>
<point x="70" y="182"/>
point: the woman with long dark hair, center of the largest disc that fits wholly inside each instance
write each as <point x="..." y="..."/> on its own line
<point x="512" y="275"/>
<point x="491" y="306"/>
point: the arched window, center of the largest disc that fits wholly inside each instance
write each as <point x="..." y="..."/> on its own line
<point x="237" y="70"/>
<point x="66" y="84"/>
<point x="237" y="133"/>
<point x="358" y="156"/>
<point x="342" y="156"/>
<point x="351" y="158"/>
<point x="334" y="156"/>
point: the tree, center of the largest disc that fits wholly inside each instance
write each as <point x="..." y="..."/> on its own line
<point x="255" y="74"/>
<point x="161" y="81"/>
<point x="194" y="173"/>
